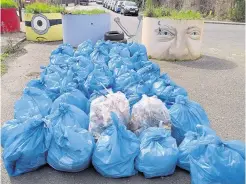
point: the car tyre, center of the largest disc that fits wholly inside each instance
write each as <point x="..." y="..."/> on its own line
<point x="113" y="36"/>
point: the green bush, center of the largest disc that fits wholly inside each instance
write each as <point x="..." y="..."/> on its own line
<point x="239" y="11"/>
<point x="86" y="12"/>
<point x="43" y="8"/>
<point x="162" y="12"/>
<point x="8" y="4"/>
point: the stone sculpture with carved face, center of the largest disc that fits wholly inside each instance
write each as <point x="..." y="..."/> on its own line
<point x="168" y="39"/>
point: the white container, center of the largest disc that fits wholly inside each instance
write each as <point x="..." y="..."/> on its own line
<point x="168" y="39"/>
<point x="79" y="28"/>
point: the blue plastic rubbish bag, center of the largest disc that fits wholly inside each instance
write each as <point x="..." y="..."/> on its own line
<point x="135" y="47"/>
<point x="38" y="83"/>
<point x="65" y="49"/>
<point x="185" y="115"/>
<point x="115" y="151"/>
<point x="134" y="93"/>
<point x="69" y="115"/>
<point x="115" y="51"/>
<point x="118" y="62"/>
<point x="71" y="148"/>
<point x="26" y="146"/>
<point x="203" y="135"/>
<point x="158" y="153"/>
<point x="137" y="59"/>
<point x="219" y="163"/>
<point x="7" y="128"/>
<point x="125" y="80"/>
<point x="164" y="80"/>
<point x="98" y="79"/>
<point x="59" y="60"/>
<point x="83" y="68"/>
<point x="33" y="102"/>
<point x="68" y="82"/>
<point x="100" y="55"/>
<point x="119" y="51"/>
<point x="115" y="62"/>
<point x="74" y="97"/>
<point x="149" y="72"/>
<point x="84" y="49"/>
<point x="167" y="93"/>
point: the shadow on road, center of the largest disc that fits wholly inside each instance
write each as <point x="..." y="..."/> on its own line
<point x="47" y="175"/>
<point x="208" y="63"/>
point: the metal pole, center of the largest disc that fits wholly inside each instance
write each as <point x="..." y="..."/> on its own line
<point x="20" y="7"/>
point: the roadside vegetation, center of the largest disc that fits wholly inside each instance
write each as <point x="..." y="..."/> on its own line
<point x="7" y="51"/>
<point x="164" y="12"/>
<point x="233" y="10"/>
<point x="43" y="8"/>
<point x="3" y="65"/>
<point x="8" y="4"/>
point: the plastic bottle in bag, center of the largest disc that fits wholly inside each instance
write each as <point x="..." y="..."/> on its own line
<point x="101" y="108"/>
<point x="149" y="112"/>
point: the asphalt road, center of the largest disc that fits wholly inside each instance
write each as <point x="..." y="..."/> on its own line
<point x="216" y="81"/>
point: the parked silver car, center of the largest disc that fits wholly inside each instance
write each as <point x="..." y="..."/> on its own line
<point x="129" y="7"/>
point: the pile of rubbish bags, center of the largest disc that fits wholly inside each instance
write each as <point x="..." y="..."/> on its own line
<point x="108" y="105"/>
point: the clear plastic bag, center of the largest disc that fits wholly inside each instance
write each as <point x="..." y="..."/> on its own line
<point x="149" y="112"/>
<point x="101" y="108"/>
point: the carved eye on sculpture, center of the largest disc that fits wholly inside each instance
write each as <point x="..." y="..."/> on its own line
<point x="40" y="24"/>
<point x="194" y="33"/>
<point x="164" y="34"/>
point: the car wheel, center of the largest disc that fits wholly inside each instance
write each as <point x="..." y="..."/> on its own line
<point x="113" y="36"/>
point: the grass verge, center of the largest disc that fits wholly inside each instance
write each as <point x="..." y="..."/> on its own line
<point x="43" y="8"/>
<point x="3" y="65"/>
<point x="8" y="4"/>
